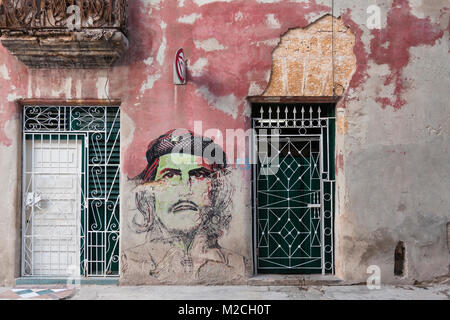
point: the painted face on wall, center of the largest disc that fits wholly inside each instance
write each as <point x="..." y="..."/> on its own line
<point x="182" y="186"/>
<point x="183" y="204"/>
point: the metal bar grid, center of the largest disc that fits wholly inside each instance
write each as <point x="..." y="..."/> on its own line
<point x="292" y="124"/>
<point x="98" y="128"/>
<point x="52" y="190"/>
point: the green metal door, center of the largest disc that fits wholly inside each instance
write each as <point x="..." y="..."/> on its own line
<point x="294" y="193"/>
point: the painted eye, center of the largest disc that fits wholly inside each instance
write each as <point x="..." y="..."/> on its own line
<point x="169" y="175"/>
<point x="199" y="175"/>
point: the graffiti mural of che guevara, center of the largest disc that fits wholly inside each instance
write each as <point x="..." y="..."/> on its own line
<point x="182" y="199"/>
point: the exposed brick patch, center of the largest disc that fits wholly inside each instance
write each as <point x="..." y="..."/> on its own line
<point x="303" y="62"/>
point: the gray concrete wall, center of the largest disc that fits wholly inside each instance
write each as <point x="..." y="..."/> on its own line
<point x="10" y="189"/>
<point x="393" y="180"/>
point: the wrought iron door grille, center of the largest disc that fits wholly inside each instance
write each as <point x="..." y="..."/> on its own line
<point x="71" y="168"/>
<point x="293" y="199"/>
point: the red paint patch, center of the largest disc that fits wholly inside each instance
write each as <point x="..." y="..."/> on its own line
<point x="15" y="85"/>
<point x="391" y="46"/>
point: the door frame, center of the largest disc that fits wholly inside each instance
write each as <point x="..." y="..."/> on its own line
<point x="112" y="234"/>
<point x="258" y="100"/>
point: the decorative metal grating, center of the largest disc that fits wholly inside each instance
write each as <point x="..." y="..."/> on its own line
<point x="71" y="167"/>
<point x="293" y="188"/>
<point x="54" y="14"/>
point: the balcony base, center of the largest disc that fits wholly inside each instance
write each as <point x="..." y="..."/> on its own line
<point x="93" y="48"/>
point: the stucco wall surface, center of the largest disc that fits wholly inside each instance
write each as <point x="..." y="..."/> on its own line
<point x="392" y="141"/>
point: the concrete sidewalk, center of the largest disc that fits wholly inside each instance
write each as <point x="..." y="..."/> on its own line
<point x="358" y="292"/>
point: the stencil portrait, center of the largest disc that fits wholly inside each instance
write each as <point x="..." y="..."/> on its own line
<point x="182" y="200"/>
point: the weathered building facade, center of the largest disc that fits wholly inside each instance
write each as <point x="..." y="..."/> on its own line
<point x="112" y="171"/>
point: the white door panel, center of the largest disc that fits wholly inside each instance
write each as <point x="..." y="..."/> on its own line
<point x="54" y="194"/>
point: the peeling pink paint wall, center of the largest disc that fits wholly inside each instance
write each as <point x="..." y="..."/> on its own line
<point x="229" y="43"/>
<point x="228" y="46"/>
<point x="391" y="46"/>
<point x="13" y="80"/>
